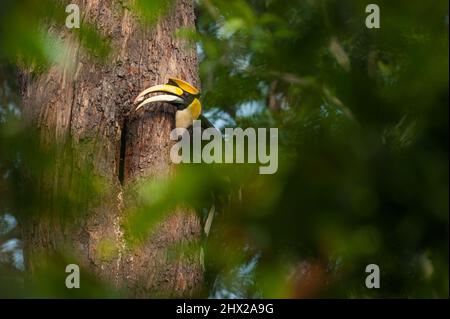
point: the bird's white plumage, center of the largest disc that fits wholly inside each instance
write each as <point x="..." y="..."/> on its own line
<point x="183" y="118"/>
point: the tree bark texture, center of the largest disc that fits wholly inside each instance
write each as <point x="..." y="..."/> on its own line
<point x="89" y="107"/>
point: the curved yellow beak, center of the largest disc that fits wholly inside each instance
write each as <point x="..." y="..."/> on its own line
<point x="173" y="96"/>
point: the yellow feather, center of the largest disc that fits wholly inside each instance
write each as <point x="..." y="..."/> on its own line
<point x="195" y="108"/>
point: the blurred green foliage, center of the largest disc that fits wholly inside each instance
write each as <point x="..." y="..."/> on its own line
<point x="363" y="155"/>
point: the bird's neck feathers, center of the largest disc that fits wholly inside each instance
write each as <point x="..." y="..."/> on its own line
<point x="195" y="108"/>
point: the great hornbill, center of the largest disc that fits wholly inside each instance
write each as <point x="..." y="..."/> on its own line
<point x="180" y="94"/>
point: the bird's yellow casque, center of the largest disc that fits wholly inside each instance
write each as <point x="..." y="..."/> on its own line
<point x="179" y="93"/>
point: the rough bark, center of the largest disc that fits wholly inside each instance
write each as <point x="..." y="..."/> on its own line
<point x="88" y="108"/>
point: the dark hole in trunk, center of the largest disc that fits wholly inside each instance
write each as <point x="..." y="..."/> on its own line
<point x="123" y="138"/>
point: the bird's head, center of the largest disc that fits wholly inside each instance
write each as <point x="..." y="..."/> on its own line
<point x="176" y="92"/>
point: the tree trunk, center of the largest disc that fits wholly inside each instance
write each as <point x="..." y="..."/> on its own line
<point x="89" y="108"/>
